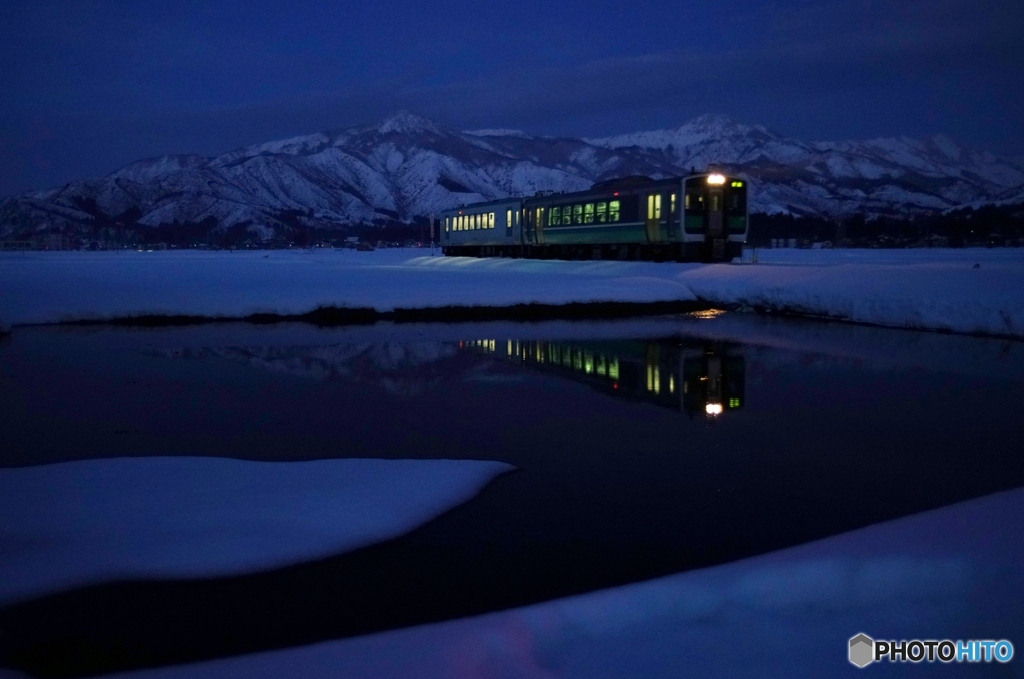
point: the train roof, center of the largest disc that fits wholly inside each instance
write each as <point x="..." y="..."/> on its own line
<point x="490" y="203"/>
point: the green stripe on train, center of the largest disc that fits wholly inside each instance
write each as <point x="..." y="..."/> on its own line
<point x="635" y="233"/>
<point x="598" y="235"/>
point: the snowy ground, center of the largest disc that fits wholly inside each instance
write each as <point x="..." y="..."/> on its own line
<point x="926" y="289"/>
<point x="77" y="523"/>
<point x="951" y="573"/>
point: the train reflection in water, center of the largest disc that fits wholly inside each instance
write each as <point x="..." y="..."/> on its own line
<point x="693" y="376"/>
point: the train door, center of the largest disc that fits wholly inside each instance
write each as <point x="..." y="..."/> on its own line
<point x="653" y="221"/>
<point x="716" y="222"/>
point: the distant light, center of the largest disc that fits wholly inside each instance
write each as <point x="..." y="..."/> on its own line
<point x="615" y="386"/>
<point x="616" y="193"/>
<point x="716" y="179"/>
<point x="737" y="184"/>
<point x="713" y="409"/>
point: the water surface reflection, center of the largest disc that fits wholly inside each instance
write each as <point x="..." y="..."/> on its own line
<point x="817" y="430"/>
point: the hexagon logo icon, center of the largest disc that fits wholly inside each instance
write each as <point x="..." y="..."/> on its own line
<point x="862" y="650"/>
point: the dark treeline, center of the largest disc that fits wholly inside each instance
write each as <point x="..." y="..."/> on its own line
<point x="990" y="225"/>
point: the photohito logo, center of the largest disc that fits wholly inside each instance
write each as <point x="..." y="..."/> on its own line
<point x="863" y="650"/>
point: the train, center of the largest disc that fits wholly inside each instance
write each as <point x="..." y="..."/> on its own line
<point x="698" y="217"/>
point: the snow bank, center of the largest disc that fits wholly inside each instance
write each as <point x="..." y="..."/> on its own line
<point x="950" y="573"/>
<point x="923" y="289"/>
<point x="51" y="287"/>
<point x="71" y="524"/>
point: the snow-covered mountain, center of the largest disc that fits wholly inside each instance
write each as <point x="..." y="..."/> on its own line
<point x="406" y="167"/>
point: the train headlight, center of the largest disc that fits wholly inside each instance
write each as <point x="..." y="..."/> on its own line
<point x="716" y="179"/>
<point x="713" y="409"/>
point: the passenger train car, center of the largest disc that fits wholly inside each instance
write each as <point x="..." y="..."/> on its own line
<point x="698" y="217"/>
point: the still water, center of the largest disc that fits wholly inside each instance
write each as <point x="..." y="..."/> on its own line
<point x="642" y="448"/>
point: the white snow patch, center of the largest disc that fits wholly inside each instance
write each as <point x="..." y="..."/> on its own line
<point x="77" y="523"/>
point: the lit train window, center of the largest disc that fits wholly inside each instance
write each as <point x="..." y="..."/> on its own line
<point x="588" y="213"/>
<point x="613" y="211"/>
<point x="577" y="214"/>
<point x="476" y="221"/>
<point x="508" y="220"/>
<point x="555" y="216"/>
<point x="716" y="202"/>
<point x="602" y="212"/>
<point x="672" y="201"/>
<point x="446" y="224"/>
<point x="490" y="220"/>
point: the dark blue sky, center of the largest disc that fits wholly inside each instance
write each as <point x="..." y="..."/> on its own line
<point x="90" y="86"/>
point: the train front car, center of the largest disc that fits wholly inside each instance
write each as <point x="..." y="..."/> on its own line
<point x="483" y="229"/>
<point x="698" y="217"/>
<point x="715" y="217"/>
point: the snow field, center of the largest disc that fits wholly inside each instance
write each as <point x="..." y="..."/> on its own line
<point x="921" y="289"/>
<point x="78" y="523"/>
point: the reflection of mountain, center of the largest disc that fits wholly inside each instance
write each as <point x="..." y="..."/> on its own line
<point x="693" y="376"/>
<point x="402" y="369"/>
<point x="697" y="377"/>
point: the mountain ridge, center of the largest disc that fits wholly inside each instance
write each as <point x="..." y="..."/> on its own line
<point x="406" y="167"/>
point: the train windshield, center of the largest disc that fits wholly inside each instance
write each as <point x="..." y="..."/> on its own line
<point x="696" y="200"/>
